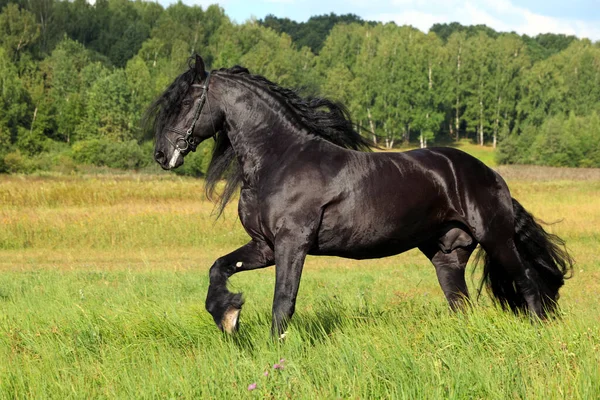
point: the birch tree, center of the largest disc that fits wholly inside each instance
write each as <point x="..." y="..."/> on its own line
<point x="455" y="53"/>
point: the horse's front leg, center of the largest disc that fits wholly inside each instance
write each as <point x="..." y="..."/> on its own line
<point x="291" y="247"/>
<point x="223" y="305"/>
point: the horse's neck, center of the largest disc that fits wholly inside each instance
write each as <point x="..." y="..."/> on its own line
<point x="262" y="138"/>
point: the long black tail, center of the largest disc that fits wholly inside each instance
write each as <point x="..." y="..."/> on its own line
<point x="546" y="260"/>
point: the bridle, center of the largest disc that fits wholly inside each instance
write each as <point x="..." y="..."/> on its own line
<point x="187" y="142"/>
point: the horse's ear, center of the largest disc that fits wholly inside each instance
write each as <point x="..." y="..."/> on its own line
<point x="200" y="68"/>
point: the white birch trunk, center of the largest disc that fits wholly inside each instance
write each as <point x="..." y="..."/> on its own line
<point x="481" y="116"/>
<point x="372" y="126"/>
<point x="457" y="121"/>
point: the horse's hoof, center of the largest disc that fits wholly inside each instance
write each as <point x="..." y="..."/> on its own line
<point x="230" y="321"/>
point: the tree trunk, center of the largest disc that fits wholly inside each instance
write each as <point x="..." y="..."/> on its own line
<point x="372" y="126"/>
<point x="497" y="123"/>
<point x="33" y="120"/>
<point x="480" y="122"/>
<point x="457" y="120"/>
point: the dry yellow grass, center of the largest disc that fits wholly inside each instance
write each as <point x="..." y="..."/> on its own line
<point x="164" y="222"/>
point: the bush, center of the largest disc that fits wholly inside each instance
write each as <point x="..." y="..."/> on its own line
<point x="16" y="162"/>
<point x="32" y="142"/>
<point x="102" y="152"/>
<point x="559" y="142"/>
<point x="63" y="163"/>
<point x="126" y="155"/>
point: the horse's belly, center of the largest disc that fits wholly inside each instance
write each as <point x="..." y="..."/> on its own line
<point x="380" y="237"/>
<point x="365" y="251"/>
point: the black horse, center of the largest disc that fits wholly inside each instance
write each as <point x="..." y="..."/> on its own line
<point x="305" y="189"/>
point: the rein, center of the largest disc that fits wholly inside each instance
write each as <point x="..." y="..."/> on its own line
<point x="187" y="142"/>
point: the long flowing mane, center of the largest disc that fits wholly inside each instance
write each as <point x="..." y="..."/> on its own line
<point x="320" y="117"/>
<point x="166" y="107"/>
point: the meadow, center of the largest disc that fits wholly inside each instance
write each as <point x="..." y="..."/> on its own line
<point x="103" y="280"/>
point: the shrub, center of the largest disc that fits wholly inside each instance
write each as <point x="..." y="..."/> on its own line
<point x="16" y="162"/>
<point x="102" y="152"/>
<point x="560" y="141"/>
<point x="126" y="155"/>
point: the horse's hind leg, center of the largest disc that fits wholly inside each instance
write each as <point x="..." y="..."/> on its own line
<point x="450" y="255"/>
<point x="223" y="305"/>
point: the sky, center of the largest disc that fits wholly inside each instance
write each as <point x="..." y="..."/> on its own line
<point x="531" y="17"/>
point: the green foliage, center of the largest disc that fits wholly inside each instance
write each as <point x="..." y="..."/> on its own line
<point x="18" y="29"/>
<point x="560" y="141"/>
<point x="15" y="105"/>
<point x="16" y="162"/>
<point x="539" y="47"/>
<point x="545" y="45"/>
<point x="313" y="32"/>
<point x="71" y="71"/>
<point x="32" y="142"/>
<point x="444" y="31"/>
<point x="102" y="152"/>
<point x="108" y="111"/>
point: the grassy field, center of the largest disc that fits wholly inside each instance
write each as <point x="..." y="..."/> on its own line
<point x="103" y="280"/>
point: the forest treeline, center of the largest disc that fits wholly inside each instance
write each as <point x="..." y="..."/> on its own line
<point x="76" y="78"/>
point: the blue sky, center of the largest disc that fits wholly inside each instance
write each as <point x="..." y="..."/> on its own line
<point x="575" y="17"/>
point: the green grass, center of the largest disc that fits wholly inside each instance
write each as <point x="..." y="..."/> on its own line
<point x="103" y="280"/>
<point x="486" y="154"/>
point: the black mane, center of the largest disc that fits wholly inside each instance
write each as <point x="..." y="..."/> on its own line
<point x="320" y="117"/>
<point x="166" y="107"/>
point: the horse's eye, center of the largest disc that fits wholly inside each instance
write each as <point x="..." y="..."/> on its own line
<point x="187" y="103"/>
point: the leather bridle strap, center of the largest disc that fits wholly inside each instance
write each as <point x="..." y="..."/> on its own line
<point x="187" y="139"/>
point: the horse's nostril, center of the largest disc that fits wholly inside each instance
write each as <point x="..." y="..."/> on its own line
<point x="159" y="156"/>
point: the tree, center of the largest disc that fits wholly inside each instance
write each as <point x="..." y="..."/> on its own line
<point x="63" y="71"/>
<point x="312" y="33"/>
<point x="139" y="83"/>
<point x="445" y="31"/>
<point x="430" y="88"/>
<point x="479" y="60"/>
<point x="340" y="72"/>
<point x="18" y="30"/>
<point x="544" y="93"/>
<point x="510" y="61"/>
<point x="108" y="113"/>
<point x="458" y="89"/>
<point x="14" y="102"/>
<point x="275" y="57"/>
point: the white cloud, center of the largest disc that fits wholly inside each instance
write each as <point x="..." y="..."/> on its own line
<point x="203" y="3"/>
<point x="501" y="15"/>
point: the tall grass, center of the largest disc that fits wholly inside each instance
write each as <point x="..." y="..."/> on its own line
<point x="103" y="279"/>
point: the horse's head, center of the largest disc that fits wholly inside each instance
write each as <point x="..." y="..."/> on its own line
<point x="184" y="116"/>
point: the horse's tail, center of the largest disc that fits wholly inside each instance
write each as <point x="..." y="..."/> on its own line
<point x="545" y="260"/>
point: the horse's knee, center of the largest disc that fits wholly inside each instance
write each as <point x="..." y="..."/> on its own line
<point x="220" y="271"/>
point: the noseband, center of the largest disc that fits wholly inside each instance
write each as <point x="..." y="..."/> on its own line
<point x="186" y="142"/>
